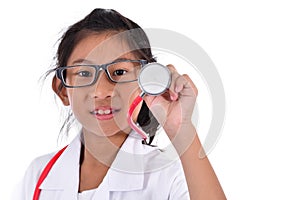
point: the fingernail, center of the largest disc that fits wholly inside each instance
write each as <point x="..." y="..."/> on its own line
<point x="173" y="97"/>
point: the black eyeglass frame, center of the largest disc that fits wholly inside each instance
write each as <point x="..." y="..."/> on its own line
<point x="98" y="68"/>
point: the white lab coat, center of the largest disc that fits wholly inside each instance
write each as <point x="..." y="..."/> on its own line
<point x="138" y="172"/>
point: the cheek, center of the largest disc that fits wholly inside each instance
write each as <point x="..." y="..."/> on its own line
<point x="76" y="99"/>
<point x="129" y="93"/>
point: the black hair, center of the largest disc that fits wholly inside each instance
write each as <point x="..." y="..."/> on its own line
<point x="99" y="21"/>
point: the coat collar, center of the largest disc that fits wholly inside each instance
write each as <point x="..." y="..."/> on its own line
<point x="128" y="165"/>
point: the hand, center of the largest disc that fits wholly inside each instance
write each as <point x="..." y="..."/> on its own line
<point x="174" y="108"/>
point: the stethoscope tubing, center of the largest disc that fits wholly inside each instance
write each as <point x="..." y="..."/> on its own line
<point x="45" y="172"/>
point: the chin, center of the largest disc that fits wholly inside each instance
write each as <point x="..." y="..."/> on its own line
<point x="110" y="131"/>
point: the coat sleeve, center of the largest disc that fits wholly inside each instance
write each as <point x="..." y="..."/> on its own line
<point x="179" y="189"/>
<point x="25" y="189"/>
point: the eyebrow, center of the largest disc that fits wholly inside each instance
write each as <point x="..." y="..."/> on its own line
<point x="82" y="60"/>
<point x="122" y="58"/>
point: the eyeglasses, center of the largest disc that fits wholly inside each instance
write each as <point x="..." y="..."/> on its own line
<point x="122" y="71"/>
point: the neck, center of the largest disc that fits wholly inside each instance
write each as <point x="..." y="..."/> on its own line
<point x="101" y="150"/>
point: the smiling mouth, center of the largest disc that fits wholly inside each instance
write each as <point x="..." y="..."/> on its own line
<point x="104" y="114"/>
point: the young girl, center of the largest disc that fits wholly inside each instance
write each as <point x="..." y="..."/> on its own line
<point x="96" y="75"/>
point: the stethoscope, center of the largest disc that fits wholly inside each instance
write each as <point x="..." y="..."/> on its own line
<point x="154" y="79"/>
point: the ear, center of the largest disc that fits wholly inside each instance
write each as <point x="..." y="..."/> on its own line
<point x="60" y="90"/>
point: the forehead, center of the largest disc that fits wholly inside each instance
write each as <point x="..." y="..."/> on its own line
<point x="101" y="48"/>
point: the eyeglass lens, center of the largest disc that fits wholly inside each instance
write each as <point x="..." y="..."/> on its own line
<point x="83" y="75"/>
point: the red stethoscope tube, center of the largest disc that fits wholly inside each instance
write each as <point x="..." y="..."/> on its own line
<point x="132" y="107"/>
<point x="45" y="172"/>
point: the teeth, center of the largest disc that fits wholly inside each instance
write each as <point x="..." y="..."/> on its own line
<point x="101" y="112"/>
<point x="106" y="111"/>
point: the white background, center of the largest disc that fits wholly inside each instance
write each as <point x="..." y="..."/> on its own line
<point x="255" y="46"/>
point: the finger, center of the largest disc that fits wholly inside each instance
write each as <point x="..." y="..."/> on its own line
<point x="184" y="86"/>
<point x="174" y="75"/>
<point x="180" y="83"/>
<point x="191" y="84"/>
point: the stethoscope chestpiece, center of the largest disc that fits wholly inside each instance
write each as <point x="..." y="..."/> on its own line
<point x="154" y="78"/>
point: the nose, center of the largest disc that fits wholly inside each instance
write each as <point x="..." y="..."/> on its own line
<point x="103" y="88"/>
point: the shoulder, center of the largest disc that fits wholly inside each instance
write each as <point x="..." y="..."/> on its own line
<point x="26" y="187"/>
<point x="39" y="162"/>
<point x="36" y="167"/>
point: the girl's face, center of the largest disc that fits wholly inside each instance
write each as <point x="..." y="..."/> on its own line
<point x="101" y="108"/>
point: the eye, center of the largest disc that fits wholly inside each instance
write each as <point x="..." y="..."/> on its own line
<point x="84" y="74"/>
<point x="119" y="72"/>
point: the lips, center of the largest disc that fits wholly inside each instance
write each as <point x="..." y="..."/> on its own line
<point x="104" y="113"/>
